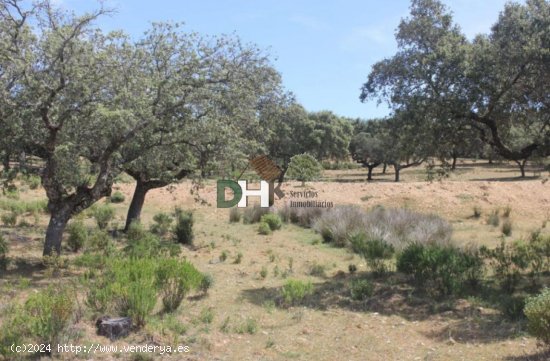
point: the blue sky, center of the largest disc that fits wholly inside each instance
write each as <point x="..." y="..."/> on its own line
<point x="323" y="49"/>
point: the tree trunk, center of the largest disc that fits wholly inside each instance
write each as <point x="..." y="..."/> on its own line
<point x="54" y="232"/>
<point x="397" y="168"/>
<point x="6" y="161"/>
<point x="369" y="176"/>
<point x="23" y="162"/>
<point x="384" y="168"/>
<point x="138" y="199"/>
<point x="521" y="165"/>
<point x="453" y="165"/>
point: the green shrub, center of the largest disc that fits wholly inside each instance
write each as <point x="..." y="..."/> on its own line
<point x="360" y="289"/>
<point x="263" y="272"/>
<point x="493" y="218"/>
<point x="506" y="212"/>
<point x="78" y="235"/>
<point x="100" y="241"/>
<point x="254" y="214"/>
<point x="512" y="307"/>
<point x="143" y="244"/>
<point x="183" y="230"/>
<point x="175" y="278"/>
<point x="33" y="181"/>
<point x="41" y="319"/>
<point x="304" y="167"/>
<point x="3" y="253"/>
<point x="539" y="254"/>
<point x="508" y="261"/>
<point x="374" y="251"/>
<point x="440" y="269"/>
<point x="537" y="310"/>
<point x="317" y="270"/>
<point x="249" y="326"/>
<point x="295" y="291"/>
<point x="117" y="197"/>
<point x="163" y="222"/>
<point x="9" y="219"/>
<point x="273" y="220"/>
<point x="127" y="287"/>
<point x="206" y="283"/>
<point x="507" y="227"/>
<point x="264" y="228"/>
<point x="235" y="215"/>
<point x="238" y="258"/>
<point x="103" y="214"/>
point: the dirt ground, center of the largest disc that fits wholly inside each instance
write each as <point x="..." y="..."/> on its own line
<point x="395" y="324"/>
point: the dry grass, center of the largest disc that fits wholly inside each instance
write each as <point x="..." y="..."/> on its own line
<point x="394" y="324"/>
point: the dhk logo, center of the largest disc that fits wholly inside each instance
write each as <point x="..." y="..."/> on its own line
<point x="268" y="172"/>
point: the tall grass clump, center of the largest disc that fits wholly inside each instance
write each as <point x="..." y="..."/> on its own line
<point x="493" y="219"/>
<point x="302" y="216"/>
<point x="273" y="221"/>
<point x="295" y="291"/>
<point x="396" y="227"/>
<point x="3" y="253"/>
<point x="254" y="214"/>
<point x="42" y="319"/>
<point x="175" y="278"/>
<point x="163" y="222"/>
<point x="235" y="215"/>
<point x="183" y="230"/>
<point x="375" y="252"/>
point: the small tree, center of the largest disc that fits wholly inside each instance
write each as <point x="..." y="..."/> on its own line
<point x="304" y="167"/>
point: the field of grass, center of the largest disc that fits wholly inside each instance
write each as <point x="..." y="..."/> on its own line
<point x="241" y="317"/>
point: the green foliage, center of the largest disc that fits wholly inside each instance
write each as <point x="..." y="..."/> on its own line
<point x="264" y="228"/>
<point x="304" y="167"/>
<point x="100" y="241"/>
<point x="263" y="272"/>
<point x="163" y="222"/>
<point x="238" y="259"/>
<point x="508" y="261"/>
<point x="103" y="214"/>
<point x="506" y="212"/>
<point x="223" y="256"/>
<point x="3" y="252"/>
<point x="512" y="307"/>
<point x="442" y="270"/>
<point x="235" y="215"/>
<point x="143" y="244"/>
<point x="175" y="278"/>
<point x="273" y="220"/>
<point x="317" y="270"/>
<point x="254" y="214"/>
<point x="374" y="251"/>
<point x="360" y="289"/>
<point x="183" y="230"/>
<point x="9" y="219"/>
<point x="33" y="181"/>
<point x="294" y="291"/>
<point x="117" y="197"/>
<point x="41" y="319"/>
<point x="207" y="315"/>
<point x="477" y="212"/>
<point x="249" y="326"/>
<point x="78" y="235"/>
<point x="537" y="310"/>
<point x="206" y="283"/>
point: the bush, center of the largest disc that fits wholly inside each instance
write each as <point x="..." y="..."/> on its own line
<point x="442" y="270"/>
<point x="175" y="278"/>
<point x="33" y="181"/>
<point x="506" y="212"/>
<point x="183" y="229"/>
<point x="360" y="290"/>
<point x="235" y="215"/>
<point x="273" y="220"/>
<point x="254" y="214"/>
<point x="206" y="283"/>
<point x="100" y="241"/>
<point x="78" y="235"/>
<point x="397" y="227"/>
<point x="294" y="291"/>
<point x="537" y="310"/>
<point x="117" y="197"/>
<point x="493" y="219"/>
<point x="41" y="319"/>
<point x="477" y="212"/>
<point x="374" y="251"/>
<point x="512" y="307"/>
<point x="9" y="219"/>
<point x="3" y="253"/>
<point x="264" y="228"/>
<point x="507" y="227"/>
<point x="303" y="216"/>
<point x="103" y="214"/>
<point x="507" y="261"/>
<point x="163" y="222"/>
<point x="304" y="167"/>
<point x="127" y="287"/>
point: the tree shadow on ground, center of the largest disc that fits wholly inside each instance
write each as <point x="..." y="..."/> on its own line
<point x="543" y="355"/>
<point x="394" y="296"/>
<point x="507" y="179"/>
